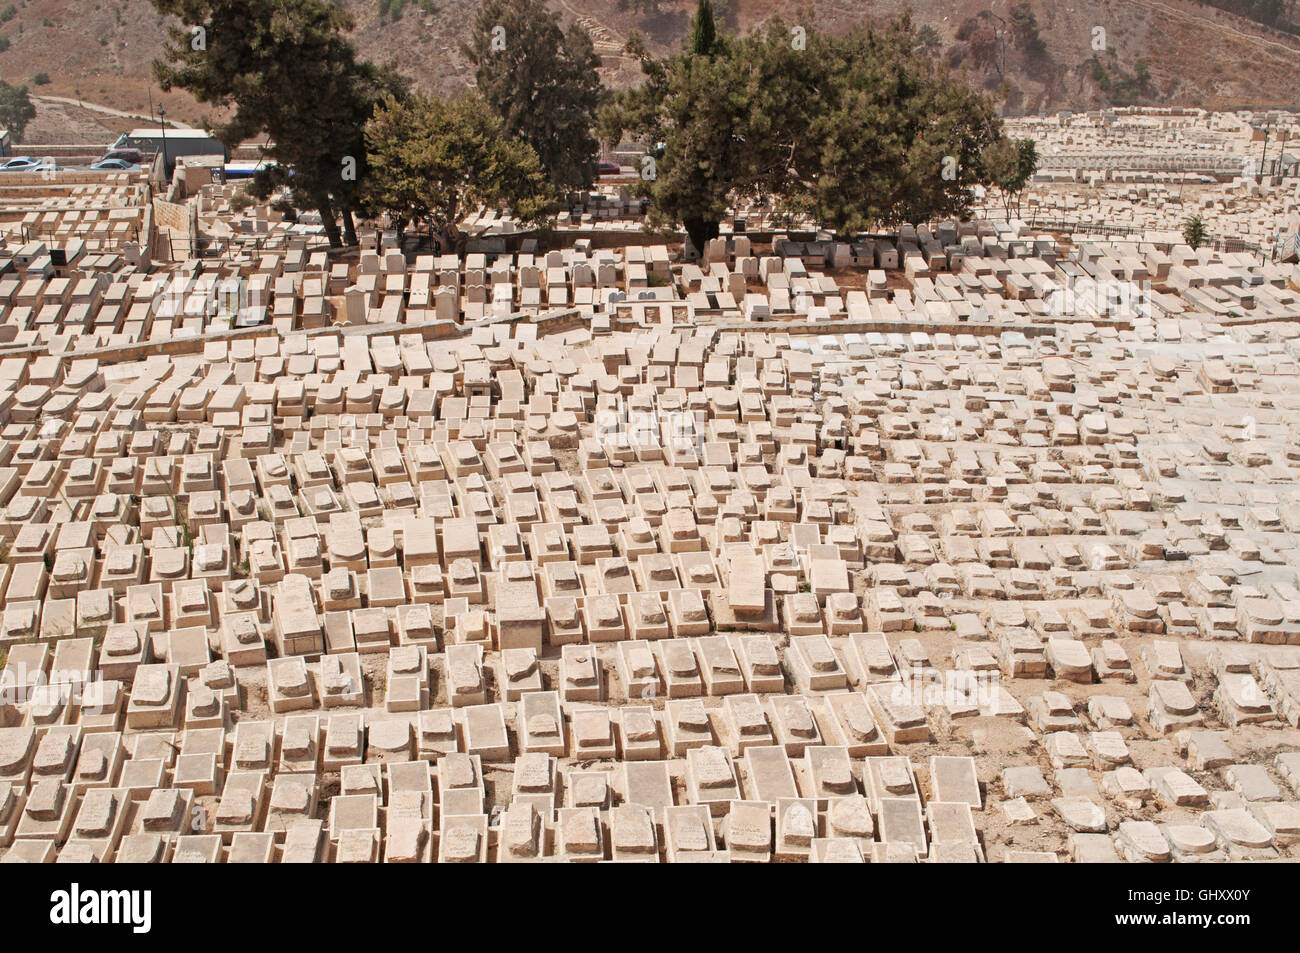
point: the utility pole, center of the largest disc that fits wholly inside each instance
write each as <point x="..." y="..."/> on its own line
<point x="162" y="124"/>
<point x="1264" y="151"/>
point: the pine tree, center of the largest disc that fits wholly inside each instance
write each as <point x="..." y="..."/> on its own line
<point x="704" y="30"/>
<point x="542" y="82"/>
<point x="287" y="70"/>
<point x="854" y="131"/>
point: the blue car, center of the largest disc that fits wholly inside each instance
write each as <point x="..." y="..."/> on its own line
<point x="27" y="164"/>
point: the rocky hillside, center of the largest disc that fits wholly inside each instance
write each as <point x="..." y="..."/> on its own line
<point x="1182" y="52"/>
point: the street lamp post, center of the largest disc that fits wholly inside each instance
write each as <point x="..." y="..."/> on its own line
<point x="1268" y="127"/>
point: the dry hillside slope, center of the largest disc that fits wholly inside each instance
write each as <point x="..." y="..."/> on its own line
<point x="99" y="51"/>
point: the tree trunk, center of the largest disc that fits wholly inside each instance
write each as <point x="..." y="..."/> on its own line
<point x="349" y="227"/>
<point x="450" y="238"/>
<point x="699" y="231"/>
<point x="327" y="219"/>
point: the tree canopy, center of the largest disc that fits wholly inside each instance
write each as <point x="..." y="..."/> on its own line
<point x="542" y="82"/>
<point x="855" y="131"/>
<point x="704" y="29"/>
<point x="432" y="162"/>
<point x="1194" y="231"/>
<point x="16" y="110"/>
<point x="288" y="71"/>
<point x="1011" y="163"/>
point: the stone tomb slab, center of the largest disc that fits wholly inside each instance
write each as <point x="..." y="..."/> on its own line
<point x="711" y="778"/>
<point x="796" y="827"/>
<point x="541" y="723"/>
<point x="749" y="831"/>
<point x="591" y="733"/>
<point x="485" y="732"/>
<point x="851" y="717"/>
<point x="640" y="736"/>
<point x="954" y="779"/>
<point x="769" y="775"/>
<point x="688" y="832"/>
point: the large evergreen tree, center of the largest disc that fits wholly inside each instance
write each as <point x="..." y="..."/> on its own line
<point x="542" y="82"/>
<point x="432" y="162"/>
<point x="892" y="141"/>
<point x="287" y="70"/>
<point x="854" y="131"/>
<point x="16" y="110"/>
<point x="704" y="29"/>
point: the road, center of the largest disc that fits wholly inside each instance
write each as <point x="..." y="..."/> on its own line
<point x="107" y="111"/>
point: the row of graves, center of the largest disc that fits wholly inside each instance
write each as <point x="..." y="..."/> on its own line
<point x="103" y="211"/>
<point x="964" y="542"/>
<point x="1140" y="170"/>
<point x="675" y="591"/>
<point x="65" y="297"/>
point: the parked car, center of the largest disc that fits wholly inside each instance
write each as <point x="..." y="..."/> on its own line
<point x="605" y="167"/>
<point x="130" y="156"/>
<point x="27" y="164"/>
<point x="174" y="142"/>
<point x="115" y="165"/>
